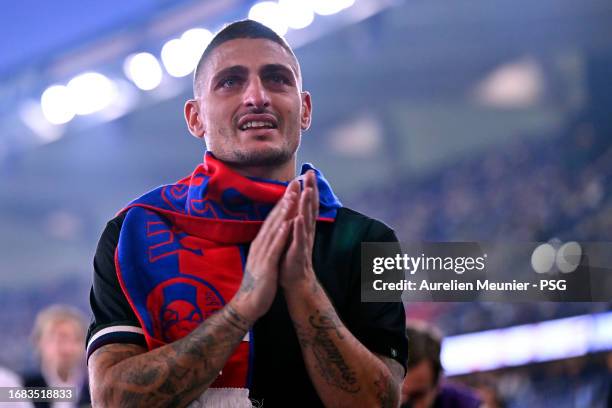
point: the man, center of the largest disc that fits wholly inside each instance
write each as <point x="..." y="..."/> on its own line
<point x="58" y="336"/>
<point x="240" y="275"/>
<point x="422" y="386"/>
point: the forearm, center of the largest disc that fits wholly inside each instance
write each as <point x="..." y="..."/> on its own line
<point x="172" y="375"/>
<point x="344" y="372"/>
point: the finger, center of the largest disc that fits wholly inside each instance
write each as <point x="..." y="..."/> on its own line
<point x="311" y="178"/>
<point x="275" y="249"/>
<point x="314" y="202"/>
<point x="304" y="205"/>
<point x="279" y="212"/>
<point x="274" y="217"/>
<point x="294" y="188"/>
<point x="294" y="185"/>
<point x="294" y="237"/>
<point x="311" y="210"/>
<point x="299" y="235"/>
<point x="291" y="193"/>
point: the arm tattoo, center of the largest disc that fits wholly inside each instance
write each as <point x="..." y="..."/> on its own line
<point x="172" y="375"/>
<point x="235" y="319"/>
<point x="320" y="336"/>
<point x="386" y="391"/>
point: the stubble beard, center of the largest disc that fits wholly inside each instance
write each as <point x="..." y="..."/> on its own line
<point x="268" y="158"/>
<point x="264" y="157"/>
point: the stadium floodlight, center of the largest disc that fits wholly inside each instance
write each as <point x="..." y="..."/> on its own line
<point x="143" y="70"/>
<point x="270" y="14"/>
<point x="180" y="56"/>
<point x="195" y="42"/>
<point x="176" y="58"/>
<point x="329" y="7"/>
<point x="57" y="105"/>
<point x="298" y="14"/>
<point x="91" y="92"/>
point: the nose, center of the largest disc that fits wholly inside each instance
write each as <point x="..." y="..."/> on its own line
<point x="256" y="95"/>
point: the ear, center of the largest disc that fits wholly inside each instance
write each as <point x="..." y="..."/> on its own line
<point x="306" y="116"/>
<point x="195" y="121"/>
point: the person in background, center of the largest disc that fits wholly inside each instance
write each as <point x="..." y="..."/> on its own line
<point x="423" y="386"/>
<point x="58" y="336"/>
<point x="10" y="379"/>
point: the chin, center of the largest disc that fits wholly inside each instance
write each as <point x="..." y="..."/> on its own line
<point x="262" y="154"/>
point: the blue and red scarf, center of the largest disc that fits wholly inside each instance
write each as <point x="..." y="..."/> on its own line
<point x="182" y="251"/>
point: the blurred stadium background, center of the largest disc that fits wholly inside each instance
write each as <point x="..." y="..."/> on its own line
<point x="449" y="120"/>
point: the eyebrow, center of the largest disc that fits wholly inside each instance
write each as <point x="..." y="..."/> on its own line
<point x="269" y="68"/>
<point x="233" y="70"/>
<point x="241" y="70"/>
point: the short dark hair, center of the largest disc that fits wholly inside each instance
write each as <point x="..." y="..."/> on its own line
<point x="424" y="344"/>
<point x="236" y="30"/>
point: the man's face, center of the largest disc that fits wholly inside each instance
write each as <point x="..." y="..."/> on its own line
<point x="250" y="108"/>
<point x="61" y="346"/>
<point x="419" y="388"/>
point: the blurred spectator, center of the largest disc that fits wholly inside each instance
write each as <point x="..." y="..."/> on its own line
<point x="490" y="396"/>
<point x="423" y="386"/>
<point x="59" y="338"/>
<point x="10" y="379"/>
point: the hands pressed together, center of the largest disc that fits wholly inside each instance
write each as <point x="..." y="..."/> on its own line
<point x="281" y="254"/>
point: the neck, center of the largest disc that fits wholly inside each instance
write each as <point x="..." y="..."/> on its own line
<point x="284" y="172"/>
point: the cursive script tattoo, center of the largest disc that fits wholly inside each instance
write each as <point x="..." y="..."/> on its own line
<point x="320" y="336"/>
<point x="386" y="391"/>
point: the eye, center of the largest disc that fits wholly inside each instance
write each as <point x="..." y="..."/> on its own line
<point x="170" y="316"/>
<point x="278" y="79"/>
<point x="229" y="82"/>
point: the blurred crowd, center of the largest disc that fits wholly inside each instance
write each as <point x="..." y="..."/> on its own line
<point x="530" y="189"/>
<point x="573" y="383"/>
<point x="556" y="186"/>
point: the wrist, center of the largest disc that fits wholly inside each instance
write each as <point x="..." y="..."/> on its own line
<point x="240" y="314"/>
<point x="308" y="284"/>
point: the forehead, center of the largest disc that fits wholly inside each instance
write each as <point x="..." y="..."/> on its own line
<point x="249" y="52"/>
<point x="61" y="326"/>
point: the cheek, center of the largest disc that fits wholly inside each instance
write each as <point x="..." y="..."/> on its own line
<point x="217" y="136"/>
<point x="217" y="117"/>
<point x="48" y="350"/>
<point x="293" y="118"/>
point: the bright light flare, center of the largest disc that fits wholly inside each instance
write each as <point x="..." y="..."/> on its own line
<point x="175" y="58"/>
<point x="195" y="42"/>
<point x="91" y="92"/>
<point x="143" y="70"/>
<point x="57" y="105"/>
<point x="271" y="15"/>
<point x="329" y="7"/>
<point x="298" y="14"/>
<point x="180" y="56"/>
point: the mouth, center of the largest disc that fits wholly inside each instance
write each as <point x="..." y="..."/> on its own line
<point x="257" y="125"/>
<point x="257" y="122"/>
